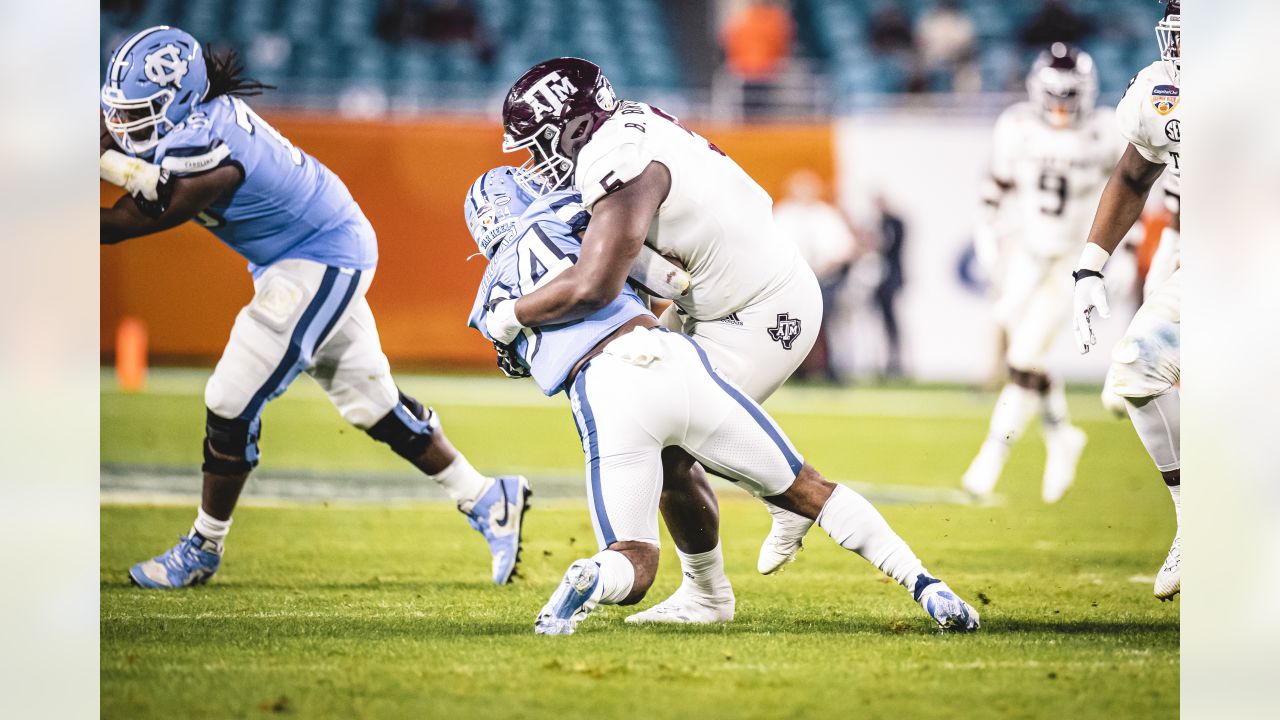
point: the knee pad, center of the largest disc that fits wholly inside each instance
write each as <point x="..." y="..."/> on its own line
<point x="407" y="428"/>
<point x="235" y="439"/>
<point x="1144" y="365"/>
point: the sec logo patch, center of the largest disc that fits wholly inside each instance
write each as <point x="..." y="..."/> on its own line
<point x="1173" y="130"/>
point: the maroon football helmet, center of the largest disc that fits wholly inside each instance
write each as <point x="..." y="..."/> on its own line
<point x="552" y="111"/>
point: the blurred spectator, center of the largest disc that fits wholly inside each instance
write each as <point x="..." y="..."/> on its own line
<point x="433" y="21"/>
<point x="892" y="38"/>
<point x="890" y="30"/>
<point x="893" y="232"/>
<point x="826" y="243"/>
<point x="757" y="44"/>
<point x="946" y="37"/>
<point x="1055" y="22"/>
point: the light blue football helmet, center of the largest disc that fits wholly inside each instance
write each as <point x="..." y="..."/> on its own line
<point x="493" y="206"/>
<point x="154" y="80"/>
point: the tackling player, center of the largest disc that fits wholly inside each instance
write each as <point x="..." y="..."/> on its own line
<point x="753" y="305"/>
<point x="191" y="148"/>
<point x="636" y="388"/>
<point x="1052" y="155"/>
<point x="1145" y="364"/>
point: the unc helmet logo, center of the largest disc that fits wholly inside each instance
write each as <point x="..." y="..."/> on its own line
<point x="165" y="66"/>
<point x="786" y="331"/>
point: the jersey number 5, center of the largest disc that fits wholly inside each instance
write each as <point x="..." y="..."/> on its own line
<point x="246" y="118"/>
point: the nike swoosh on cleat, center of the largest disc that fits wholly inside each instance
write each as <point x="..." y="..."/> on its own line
<point x="506" y="507"/>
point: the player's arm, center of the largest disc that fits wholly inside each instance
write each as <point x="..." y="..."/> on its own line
<point x="191" y="194"/>
<point x="619" y="225"/>
<point x="1121" y="205"/>
<point x="1123" y="199"/>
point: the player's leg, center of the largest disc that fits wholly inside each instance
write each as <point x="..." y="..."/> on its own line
<point x="1035" y="316"/>
<point x="733" y="436"/>
<point x="296" y="303"/>
<point x="1146" y="367"/>
<point x="354" y="371"/>
<point x="757" y="350"/>
<point x="622" y="419"/>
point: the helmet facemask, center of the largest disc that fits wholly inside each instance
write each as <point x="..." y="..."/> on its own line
<point x="136" y="125"/>
<point x="1169" y="36"/>
<point x="546" y="169"/>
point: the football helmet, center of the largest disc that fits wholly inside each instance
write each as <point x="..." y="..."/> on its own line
<point x="552" y="111"/>
<point x="1169" y="36"/>
<point x="493" y="206"/>
<point x="1064" y="84"/>
<point x="154" y="79"/>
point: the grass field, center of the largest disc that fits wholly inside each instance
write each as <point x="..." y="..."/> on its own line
<point x="350" y="608"/>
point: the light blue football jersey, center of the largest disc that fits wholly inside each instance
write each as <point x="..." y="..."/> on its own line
<point x="545" y="245"/>
<point x="288" y="206"/>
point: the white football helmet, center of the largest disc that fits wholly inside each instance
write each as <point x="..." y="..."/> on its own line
<point x="1169" y="35"/>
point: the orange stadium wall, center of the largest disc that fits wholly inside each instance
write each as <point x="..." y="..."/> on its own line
<point x="410" y="178"/>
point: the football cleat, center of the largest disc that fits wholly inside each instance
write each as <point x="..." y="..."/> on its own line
<point x="784" y="541"/>
<point x="191" y="562"/>
<point x="1169" y="579"/>
<point x="572" y="601"/>
<point x="499" y="516"/>
<point x="944" y="606"/>
<point x="685" y="606"/>
<point x="1062" y="455"/>
<point x="980" y="479"/>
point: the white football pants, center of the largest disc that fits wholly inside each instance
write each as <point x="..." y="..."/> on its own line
<point x="651" y="389"/>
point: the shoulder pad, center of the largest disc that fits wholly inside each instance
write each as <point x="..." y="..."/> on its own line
<point x="615" y="156"/>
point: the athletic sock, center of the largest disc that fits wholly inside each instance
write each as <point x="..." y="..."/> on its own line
<point x="1013" y="411"/>
<point x="704" y="572"/>
<point x="856" y="525"/>
<point x="211" y="528"/>
<point x="1054" y="414"/>
<point x="1176" y="492"/>
<point x="617" y="575"/>
<point x="464" y="483"/>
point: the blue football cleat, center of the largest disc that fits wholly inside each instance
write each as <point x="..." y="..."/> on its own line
<point x="572" y="600"/>
<point x="191" y="562"/>
<point x="499" y="516"/>
<point x="944" y="606"/>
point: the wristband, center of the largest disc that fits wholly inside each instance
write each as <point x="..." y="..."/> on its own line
<point x="1086" y="273"/>
<point x="501" y="322"/>
<point x="1093" y="257"/>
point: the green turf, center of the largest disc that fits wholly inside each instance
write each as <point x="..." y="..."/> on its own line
<point x="357" y="611"/>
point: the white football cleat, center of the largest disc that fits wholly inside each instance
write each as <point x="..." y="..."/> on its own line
<point x="1169" y="579"/>
<point x="1062" y="454"/>
<point x="980" y="479"/>
<point x="686" y="606"/>
<point x="785" y="539"/>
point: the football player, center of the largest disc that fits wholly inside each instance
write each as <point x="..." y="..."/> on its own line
<point x="753" y="304"/>
<point x="636" y="388"/>
<point x="1145" y="364"/>
<point x="1052" y="155"/>
<point x="190" y="148"/>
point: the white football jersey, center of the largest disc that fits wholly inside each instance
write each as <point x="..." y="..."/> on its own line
<point x="1057" y="175"/>
<point x="1148" y="118"/>
<point x="716" y="220"/>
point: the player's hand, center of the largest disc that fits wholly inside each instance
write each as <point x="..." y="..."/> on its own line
<point x="501" y="323"/>
<point x="509" y="361"/>
<point x="1090" y="295"/>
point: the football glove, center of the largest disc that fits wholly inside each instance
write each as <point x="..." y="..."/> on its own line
<point x="510" y="362"/>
